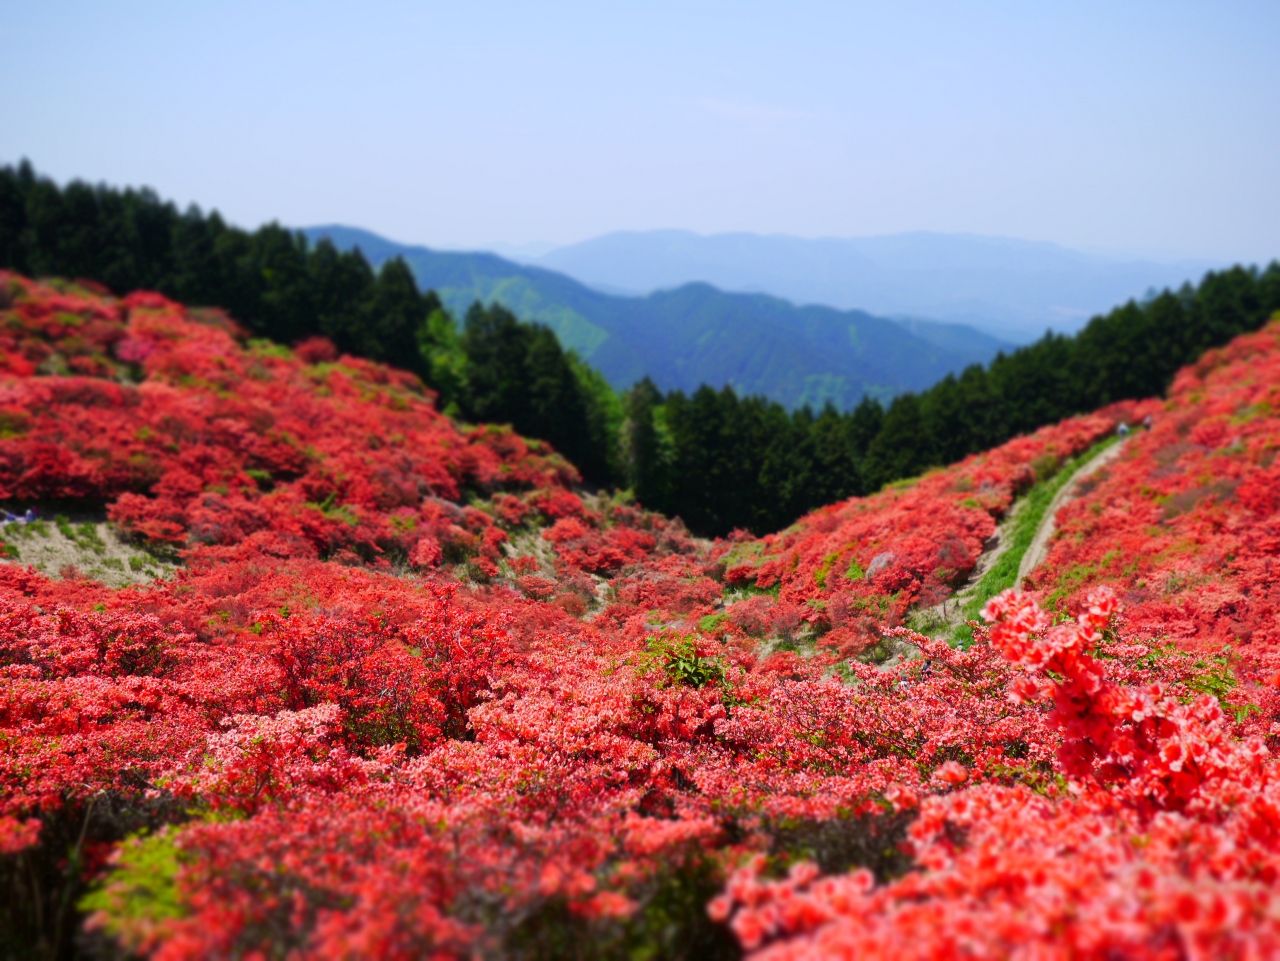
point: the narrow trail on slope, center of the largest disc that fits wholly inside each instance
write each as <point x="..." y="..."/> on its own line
<point x="942" y="619"/>
<point x="946" y="619"/>
<point x="1069" y="491"/>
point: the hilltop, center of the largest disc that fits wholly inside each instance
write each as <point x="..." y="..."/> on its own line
<point x="403" y="689"/>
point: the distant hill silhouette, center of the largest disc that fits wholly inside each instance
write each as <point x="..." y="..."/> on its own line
<point x="696" y="334"/>
<point x="1015" y="289"/>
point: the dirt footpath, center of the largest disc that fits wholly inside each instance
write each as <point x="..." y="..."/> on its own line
<point x="1039" y="548"/>
<point x="941" y="620"/>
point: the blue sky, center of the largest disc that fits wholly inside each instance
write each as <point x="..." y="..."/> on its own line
<point x="1146" y="127"/>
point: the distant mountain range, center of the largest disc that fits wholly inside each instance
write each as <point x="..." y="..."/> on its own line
<point x="1013" y="289"/>
<point x="696" y="334"/>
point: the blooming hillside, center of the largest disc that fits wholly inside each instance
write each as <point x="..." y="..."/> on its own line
<point x="1160" y="833"/>
<point x="409" y="694"/>
<point x="193" y="437"/>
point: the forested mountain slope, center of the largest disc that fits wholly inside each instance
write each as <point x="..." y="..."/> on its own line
<point x="696" y="334"/>
<point x="411" y="694"/>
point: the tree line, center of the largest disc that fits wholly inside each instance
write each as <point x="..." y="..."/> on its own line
<point x="721" y="462"/>
<point x="717" y="460"/>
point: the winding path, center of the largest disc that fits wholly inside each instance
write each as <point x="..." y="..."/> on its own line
<point x="1039" y="547"/>
<point x="942" y="619"/>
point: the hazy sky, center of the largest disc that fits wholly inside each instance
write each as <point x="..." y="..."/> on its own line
<point x="1131" y="126"/>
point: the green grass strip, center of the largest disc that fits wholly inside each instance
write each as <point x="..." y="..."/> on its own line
<point x="1004" y="572"/>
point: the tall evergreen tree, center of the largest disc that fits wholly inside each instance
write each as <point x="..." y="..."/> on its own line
<point x="902" y="448"/>
<point x="342" y="284"/>
<point x="519" y="375"/>
<point x="393" y="315"/>
<point x="644" y="457"/>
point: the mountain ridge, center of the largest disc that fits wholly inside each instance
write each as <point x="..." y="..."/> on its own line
<point x="1011" y="288"/>
<point x="695" y="333"/>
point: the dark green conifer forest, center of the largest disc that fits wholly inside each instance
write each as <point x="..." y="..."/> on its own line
<point x="717" y="460"/>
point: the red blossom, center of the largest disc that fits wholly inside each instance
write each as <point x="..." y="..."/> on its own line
<point x="374" y="719"/>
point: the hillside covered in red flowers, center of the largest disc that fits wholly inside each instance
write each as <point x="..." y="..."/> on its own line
<point x="411" y="693"/>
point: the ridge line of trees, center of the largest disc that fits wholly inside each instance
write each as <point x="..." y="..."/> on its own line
<point x="715" y="459"/>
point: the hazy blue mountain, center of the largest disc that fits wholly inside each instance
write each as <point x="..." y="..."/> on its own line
<point x="1015" y="289"/>
<point x="522" y="253"/>
<point x="696" y="334"/>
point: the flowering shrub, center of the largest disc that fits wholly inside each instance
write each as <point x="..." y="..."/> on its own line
<point x="1185" y="528"/>
<point x="1156" y="833"/>
<point x="1162" y="845"/>
<point x="196" y="438"/>
<point x="412" y="695"/>
<point x="863" y="563"/>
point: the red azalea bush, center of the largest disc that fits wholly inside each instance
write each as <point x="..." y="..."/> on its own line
<point x="411" y="695"/>
<point x="865" y="562"/>
<point x="537" y="751"/>
<point x="1185" y="527"/>
<point x="195" y="437"/>
<point x="1159" y="842"/>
